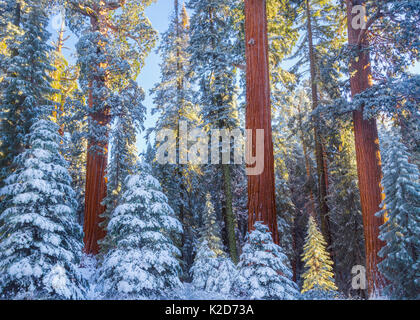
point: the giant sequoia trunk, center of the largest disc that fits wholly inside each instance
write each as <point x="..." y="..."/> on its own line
<point x="261" y="192"/>
<point x="95" y="192"/>
<point x="367" y="154"/>
<point x="230" y="218"/>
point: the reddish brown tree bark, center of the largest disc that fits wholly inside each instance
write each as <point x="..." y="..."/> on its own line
<point x="261" y="188"/>
<point x="97" y="154"/>
<point x="367" y="154"/>
<point x="95" y="190"/>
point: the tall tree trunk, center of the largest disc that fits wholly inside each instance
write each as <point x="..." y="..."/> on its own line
<point x="230" y="218"/>
<point x="97" y="160"/>
<point x="261" y="188"/>
<point x="367" y="154"/>
<point x="321" y="161"/>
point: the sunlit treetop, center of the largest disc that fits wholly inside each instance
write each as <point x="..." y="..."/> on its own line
<point x="123" y="22"/>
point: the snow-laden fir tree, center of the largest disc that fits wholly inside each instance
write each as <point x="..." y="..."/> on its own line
<point x="40" y="241"/>
<point x="318" y="279"/>
<point x="285" y="217"/>
<point x="212" y="271"/>
<point x="401" y="182"/>
<point x="26" y="86"/>
<point x="263" y="271"/>
<point x="143" y="261"/>
<point x="211" y="231"/>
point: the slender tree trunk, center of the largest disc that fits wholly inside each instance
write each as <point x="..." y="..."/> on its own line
<point x="367" y="155"/>
<point x="261" y="188"/>
<point x="321" y="161"/>
<point x="230" y="218"/>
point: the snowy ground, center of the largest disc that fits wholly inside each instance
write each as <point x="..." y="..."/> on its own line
<point x="188" y="292"/>
<point x="88" y="270"/>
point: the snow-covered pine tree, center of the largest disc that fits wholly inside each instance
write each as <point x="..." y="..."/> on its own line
<point x="211" y="231"/>
<point x="213" y="61"/>
<point x="26" y="86"/>
<point x="69" y="114"/>
<point x="173" y="102"/>
<point x="127" y="112"/>
<point x="318" y="278"/>
<point x="143" y="262"/>
<point x="115" y="39"/>
<point x="212" y="270"/>
<point x="213" y="273"/>
<point x="205" y="265"/>
<point x="263" y="273"/>
<point x="40" y="241"/>
<point x="401" y="264"/>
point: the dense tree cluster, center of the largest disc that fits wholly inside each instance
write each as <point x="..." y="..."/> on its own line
<point x="79" y="186"/>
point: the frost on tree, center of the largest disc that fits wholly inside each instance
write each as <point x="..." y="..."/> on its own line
<point x="212" y="270"/>
<point x="142" y="264"/>
<point x="401" y="264"/>
<point x="318" y="278"/>
<point x="263" y="274"/>
<point x="111" y="51"/>
<point x="213" y="62"/>
<point x="40" y="242"/>
<point x="26" y="84"/>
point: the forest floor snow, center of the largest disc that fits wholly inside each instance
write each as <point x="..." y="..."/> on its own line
<point x="88" y="270"/>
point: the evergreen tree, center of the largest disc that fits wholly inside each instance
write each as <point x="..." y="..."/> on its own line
<point x="212" y="270"/>
<point x="344" y="204"/>
<point x="205" y="266"/>
<point x="128" y="113"/>
<point x="318" y="278"/>
<point x="330" y="30"/>
<point x="69" y="114"/>
<point x="401" y="264"/>
<point x="40" y="241"/>
<point x="115" y="38"/>
<point x="173" y="101"/>
<point x="211" y="231"/>
<point x="212" y="59"/>
<point x="142" y="263"/>
<point x="263" y="273"/>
